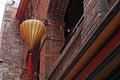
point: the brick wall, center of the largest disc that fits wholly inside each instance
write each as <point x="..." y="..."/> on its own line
<point x="56" y="10"/>
<point x="41" y="12"/>
<point x="67" y="55"/>
<point x="94" y="12"/>
<point x="42" y="63"/>
<point x="11" y="45"/>
<point x="52" y="13"/>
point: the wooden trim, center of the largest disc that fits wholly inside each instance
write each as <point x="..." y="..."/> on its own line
<point x="114" y="63"/>
<point x="103" y="53"/>
<point x="98" y="39"/>
<point x="109" y="29"/>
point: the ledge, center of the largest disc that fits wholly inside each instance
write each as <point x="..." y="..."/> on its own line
<point x="72" y="66"/>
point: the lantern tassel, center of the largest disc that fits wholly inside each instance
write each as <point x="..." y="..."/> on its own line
<point x="29" y="71"/>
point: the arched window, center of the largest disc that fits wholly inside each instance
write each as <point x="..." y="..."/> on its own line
<point x="73" y="13"/>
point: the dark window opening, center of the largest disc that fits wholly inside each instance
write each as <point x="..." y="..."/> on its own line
<point x="73" y="13"/>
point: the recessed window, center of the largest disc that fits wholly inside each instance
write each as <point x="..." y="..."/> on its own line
<point x="73" y="13"/>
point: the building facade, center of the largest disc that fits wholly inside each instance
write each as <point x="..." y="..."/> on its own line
<point x="11" y="51"/>
<point x="81" y="42"/>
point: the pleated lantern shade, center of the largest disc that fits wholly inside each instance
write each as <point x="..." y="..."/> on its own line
<point x="32" y="31"/>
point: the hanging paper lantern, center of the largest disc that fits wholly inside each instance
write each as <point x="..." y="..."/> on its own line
<point x="32" y="31"/>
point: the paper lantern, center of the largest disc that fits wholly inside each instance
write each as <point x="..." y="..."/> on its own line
<point x="32" y="31"/>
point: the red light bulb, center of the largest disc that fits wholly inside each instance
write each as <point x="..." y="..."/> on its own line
<point x="68" y="30"/>
<point x="48" y="34"/>
<point x="61" y="27"/>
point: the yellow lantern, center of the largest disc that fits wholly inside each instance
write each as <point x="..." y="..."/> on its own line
<point x="32" y="31"/>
